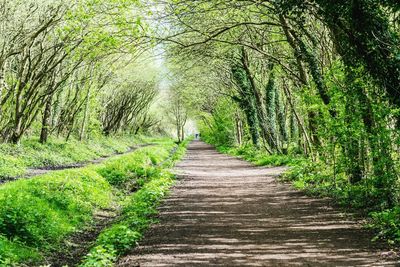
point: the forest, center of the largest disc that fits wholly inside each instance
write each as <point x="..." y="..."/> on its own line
<point x="313" y="85"/>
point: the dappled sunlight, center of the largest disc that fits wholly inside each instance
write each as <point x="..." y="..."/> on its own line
<point x="238" y="215"/>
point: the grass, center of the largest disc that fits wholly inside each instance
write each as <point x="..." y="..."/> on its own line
<point x="260" y="157"/>
<point x="138" y="212"/>
<point x="16" y="159"/>
<point x="36" y="215"/>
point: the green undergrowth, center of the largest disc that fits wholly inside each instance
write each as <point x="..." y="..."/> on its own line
<point x="138" y="212"/>
<point x="16" y="159"/>
<point x="386" y="223"/>
<point x="320" y="180"/>
<point x="260" y="157"/>
<point x="36" y="215"/>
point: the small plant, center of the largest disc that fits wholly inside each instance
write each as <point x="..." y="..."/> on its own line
<point x="387" y="225"/>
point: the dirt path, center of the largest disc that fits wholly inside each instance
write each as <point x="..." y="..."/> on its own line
<point x="226" y="212"/>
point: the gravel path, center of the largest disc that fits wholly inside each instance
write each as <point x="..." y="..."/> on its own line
<point x="226" y="212"/>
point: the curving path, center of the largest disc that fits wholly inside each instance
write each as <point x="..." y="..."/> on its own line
<point x="226" y="212"/>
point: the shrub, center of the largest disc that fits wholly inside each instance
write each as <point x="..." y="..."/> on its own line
<point x="387" y="225"/>
<point x="137" y="166"/>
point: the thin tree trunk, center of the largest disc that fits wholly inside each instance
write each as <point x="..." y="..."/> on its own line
<point x="44" y="134"/>
<point x="85" y="117"/>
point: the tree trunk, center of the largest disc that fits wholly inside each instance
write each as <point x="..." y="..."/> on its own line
<point x="85" y="117"/>
<point x="44" y="134"/>
<point x="183" y="133"/>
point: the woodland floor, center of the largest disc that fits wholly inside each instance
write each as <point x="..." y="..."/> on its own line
<point x="226" y="212"/>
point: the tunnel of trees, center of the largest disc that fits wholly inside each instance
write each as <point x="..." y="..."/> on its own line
<point x="316" y="78"/>
<point x="314" y="83"/>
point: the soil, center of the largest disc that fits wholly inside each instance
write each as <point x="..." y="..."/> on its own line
<point x="227" y="212"/>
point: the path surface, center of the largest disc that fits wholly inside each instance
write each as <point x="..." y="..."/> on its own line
<point x="226" y="212"/>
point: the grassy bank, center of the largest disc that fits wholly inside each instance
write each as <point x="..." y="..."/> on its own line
<point x="260" y="157"/>
<point x="16" y="159"/>
<point x="37" y="215"/>
<point x="138" y="211"/>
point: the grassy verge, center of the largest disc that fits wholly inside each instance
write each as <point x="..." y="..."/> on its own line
<point x="260" y="157"/>
<point x="16" y="159"/>
<point x="37" y="215"/>
<point x="320" y="180"/>
<point x="138" y="211"/>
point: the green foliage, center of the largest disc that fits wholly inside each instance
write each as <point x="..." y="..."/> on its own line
<point x="246" y="99"/>
<point x="11" y="166"/>
<point x="101" y="256"/>
<point x="270" y="99"/>
<point x="178" y="154"/>
<point x="137" y="214"/>
<point x="260" y="157"/>
<point x="13" y="252"/>
<point x="37" y="214"/>
<point x="219" y="129"/>
<point x="42" y="211"/>
<point x="132" y="167"/>
<point x="15" y="159"/>
<point x="387" y="225"/>
<point x="136" y="217"/>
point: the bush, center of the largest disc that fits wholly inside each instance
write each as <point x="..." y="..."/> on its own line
<point x="101" y="256"/>
<point x="13" y="252"/>
<point x="11" y="166"/>
<point x="387" y="225"/>
<point x="140" y="165"/>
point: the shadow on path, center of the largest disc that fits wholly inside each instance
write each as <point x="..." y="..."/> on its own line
<point x="227" y="212"/>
